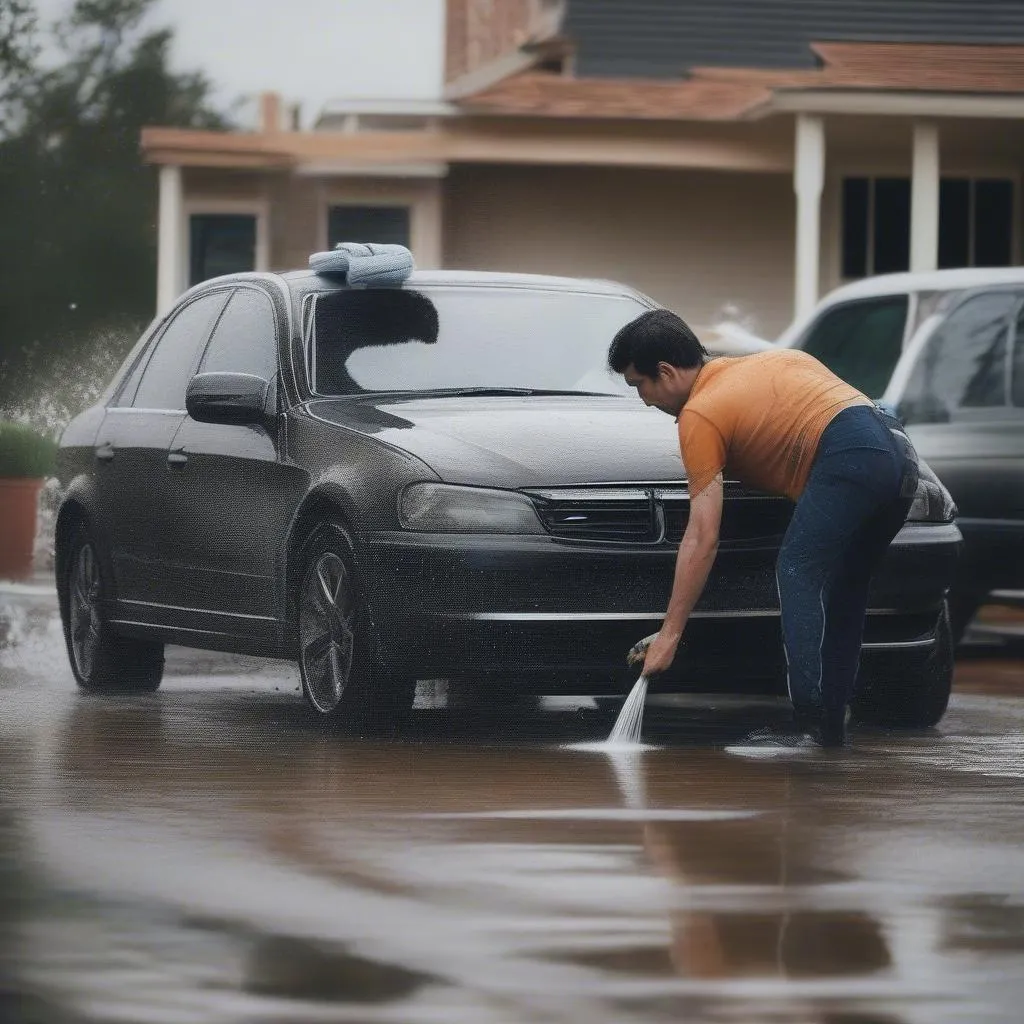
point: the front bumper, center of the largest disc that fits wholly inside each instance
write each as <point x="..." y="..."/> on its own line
<point x="548" y="616"/>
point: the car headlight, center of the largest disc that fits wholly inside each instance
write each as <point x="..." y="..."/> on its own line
<point x="445" y="508"/>
<point x="932" y="503"/>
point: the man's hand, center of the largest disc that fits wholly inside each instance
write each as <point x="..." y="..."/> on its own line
<point x="661" y="653"/>
<point x="693" y="564"/>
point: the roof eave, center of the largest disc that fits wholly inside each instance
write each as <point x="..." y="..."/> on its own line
<point x="893" y="103"/>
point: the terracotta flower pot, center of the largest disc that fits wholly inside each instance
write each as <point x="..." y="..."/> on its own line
<point x="19" y="506"/>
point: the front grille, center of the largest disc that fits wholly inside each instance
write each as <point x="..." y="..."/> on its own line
<point x="748" y="517"/>
<point x="653" y="515"/>
<point x="623" y="515"/>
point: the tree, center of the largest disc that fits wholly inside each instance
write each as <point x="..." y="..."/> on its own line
<point x="18" y="50"/>
<point x="78" y="251"/>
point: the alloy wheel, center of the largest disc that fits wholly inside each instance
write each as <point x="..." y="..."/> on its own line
<point x="84" y="600"/>
<point x="327" y="629"/>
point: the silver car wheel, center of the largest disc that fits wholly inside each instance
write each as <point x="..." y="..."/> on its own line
<point x="327" y="624"/>
<point x="84" y="602"/>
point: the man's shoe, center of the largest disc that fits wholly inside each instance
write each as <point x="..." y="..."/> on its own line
<point x="770" y="741"/>
<point x="826" y="726"/>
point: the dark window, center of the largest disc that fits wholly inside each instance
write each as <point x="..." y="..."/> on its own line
<point x="856" y="213"/>
<point x="975" y="224"/>
<point x="245" y="339"/>
<point x="963" y="365"/>
<point x="388" y="225"/>
<point x="861" y="341"/>
<point x="221" y="243"/>
<point x="993" y="217"/>
<point x="891" y="218"/>
<point x="1017" y="390"/>
<point x="403" y="340"/>
<point x="954" y="223"/>
<point x="170" y="367"/>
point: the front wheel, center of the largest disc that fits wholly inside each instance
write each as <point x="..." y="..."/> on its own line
<point x="341" y="675"/>
<point x="910" y="696"/>
<point x="102" y="661"/>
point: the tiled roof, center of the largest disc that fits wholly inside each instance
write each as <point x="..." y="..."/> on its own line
<point x="924" y="66"/>
<point x="546" y="95"/>
<point x="726" y="94"/>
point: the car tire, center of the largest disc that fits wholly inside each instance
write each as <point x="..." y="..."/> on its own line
<point x="101" y="660"/>
<point x="342" y="678"/>
<point x="910" y="696"/>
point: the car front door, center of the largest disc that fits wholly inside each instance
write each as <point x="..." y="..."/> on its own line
<point x="964" y="408"/>
<point x="131" y="457"/>
<point x="233" y="497"/>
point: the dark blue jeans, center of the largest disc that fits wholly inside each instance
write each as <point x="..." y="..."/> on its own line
<point x="856" y="500"/>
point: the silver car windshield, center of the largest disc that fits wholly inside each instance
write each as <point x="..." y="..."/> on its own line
<point x="465" y="338"/>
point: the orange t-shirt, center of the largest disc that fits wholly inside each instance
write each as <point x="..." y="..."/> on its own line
<point x="759" y="419"/>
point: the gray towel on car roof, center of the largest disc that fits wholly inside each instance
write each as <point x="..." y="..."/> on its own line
<point x="382" y="266"/>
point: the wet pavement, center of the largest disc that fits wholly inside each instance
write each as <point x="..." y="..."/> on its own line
<point x="208" y="854"/>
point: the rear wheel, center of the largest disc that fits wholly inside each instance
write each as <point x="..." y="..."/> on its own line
<point x="341" y="674"/>
<point x="102" y="661"/>
<point x="911" y="696"/>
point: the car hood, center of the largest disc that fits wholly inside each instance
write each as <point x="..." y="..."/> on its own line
<point x="519" y="441"/>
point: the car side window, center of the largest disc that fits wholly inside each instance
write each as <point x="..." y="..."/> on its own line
<point x="126" y="393"/>
<point x="861" y="341"/>
<point x="170" y="366"/>
<point x="245" y="338"/>
<point x="963" y="364"/>
<point x="1017" y="374"/>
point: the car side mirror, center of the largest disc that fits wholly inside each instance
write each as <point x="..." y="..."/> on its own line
<point x="227" y="398"/>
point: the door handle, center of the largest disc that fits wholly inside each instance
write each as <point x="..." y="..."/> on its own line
<point x="178" y="458"/>
<point x="105" y="452"/>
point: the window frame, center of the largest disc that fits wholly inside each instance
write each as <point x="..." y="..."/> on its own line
<point x="210" y="206"/>
<point x="146" y="355"/>
<point x="972" y="176"/>
<point x="417" y="188"/>
<point x="245" y="286"/>
<point x="382" y="204"/>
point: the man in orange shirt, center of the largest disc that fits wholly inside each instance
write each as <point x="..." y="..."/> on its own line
<point x="783" y="423"/>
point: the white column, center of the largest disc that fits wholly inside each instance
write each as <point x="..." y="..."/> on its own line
<point x="924" y="198"/>
<point x="170" y="236"/>
<point x="808" y="182"/>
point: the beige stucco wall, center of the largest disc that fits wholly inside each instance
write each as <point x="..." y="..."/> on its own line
<point x="695" y="241"/>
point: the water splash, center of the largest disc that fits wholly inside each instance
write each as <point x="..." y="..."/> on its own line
<point x="629" y="724"/>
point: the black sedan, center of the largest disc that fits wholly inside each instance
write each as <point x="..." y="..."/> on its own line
<point x="439" y="480"/>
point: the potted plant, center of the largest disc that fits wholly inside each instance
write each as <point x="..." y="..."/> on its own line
<point x="26" y="459"/>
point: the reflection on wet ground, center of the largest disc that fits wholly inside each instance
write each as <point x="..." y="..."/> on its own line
<point x="208" y="854"/>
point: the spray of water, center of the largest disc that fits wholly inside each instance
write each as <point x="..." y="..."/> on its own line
<point x="629" y="724"/>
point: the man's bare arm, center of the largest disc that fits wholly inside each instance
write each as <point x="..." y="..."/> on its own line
<point x="693" y="565"/>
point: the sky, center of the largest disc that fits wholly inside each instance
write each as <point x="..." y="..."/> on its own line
<point x="310" y="51"/>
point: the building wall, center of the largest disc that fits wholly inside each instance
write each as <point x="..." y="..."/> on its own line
<point x="479" y="31"/>
<point x="696" y="241"/>
<point x="295" y="219"/>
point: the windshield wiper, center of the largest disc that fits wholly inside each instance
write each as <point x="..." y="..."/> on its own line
<point x="475" y="392"/>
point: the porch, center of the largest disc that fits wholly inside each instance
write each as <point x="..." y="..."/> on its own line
<point x="756" y="217"/>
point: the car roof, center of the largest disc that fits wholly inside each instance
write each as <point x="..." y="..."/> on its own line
<point x="925" y="281"/>
<point x="300" y="280"/>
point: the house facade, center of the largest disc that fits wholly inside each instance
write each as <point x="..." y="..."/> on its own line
<point x="724" y="156"/>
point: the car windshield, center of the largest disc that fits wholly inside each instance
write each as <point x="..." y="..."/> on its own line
<point x="465" y="339"/>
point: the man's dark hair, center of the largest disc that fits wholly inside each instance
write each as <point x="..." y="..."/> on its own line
<point x="657" y="336"/>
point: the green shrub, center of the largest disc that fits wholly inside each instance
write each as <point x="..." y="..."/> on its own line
<point x="25" y="452"/>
